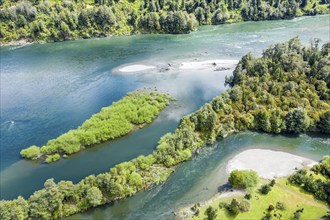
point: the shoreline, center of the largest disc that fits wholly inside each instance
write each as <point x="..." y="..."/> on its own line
<point x="25" y="42"/>
<point x="245" y="161"/>
<point x="28" y="41"/>
<point x="22" y="42"/>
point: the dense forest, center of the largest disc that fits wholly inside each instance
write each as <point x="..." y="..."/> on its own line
<point x="285" y="90"/>
<point x="136" y="109"/>
<point x="46" y="21"/>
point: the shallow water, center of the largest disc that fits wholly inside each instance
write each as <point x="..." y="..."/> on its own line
<point x="48" y="89"/>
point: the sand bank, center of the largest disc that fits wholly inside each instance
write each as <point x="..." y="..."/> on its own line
<point x="268" y="164"/>
<point x="135" y="68"/>
<point x="215" y="64"/>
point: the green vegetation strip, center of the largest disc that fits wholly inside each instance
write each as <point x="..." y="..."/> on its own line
<point x="285" y="90"/>
<point x="134" y="110"/>
<point x="47" y="21"/>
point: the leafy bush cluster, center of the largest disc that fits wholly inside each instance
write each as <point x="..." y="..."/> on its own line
<point x="137" y="108"/>
<point x="235" y="207"/>
<point x="243" y="179"/>
<point x="43" y="20"/>
<point x="265" y="189"/>
<point x="317" y="186"/>
<point x="268" y="94"/>
<point x="323" y="167"/>
<point x="211" y="213"/>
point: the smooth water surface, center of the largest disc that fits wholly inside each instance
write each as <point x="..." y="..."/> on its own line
<point x="48" y="89"/>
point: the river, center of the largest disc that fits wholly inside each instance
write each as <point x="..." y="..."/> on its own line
<point x="51" y="88"/>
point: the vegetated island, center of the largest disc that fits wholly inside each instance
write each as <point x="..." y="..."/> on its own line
<point x="285" y="90"/>
<point x="26" y="21"/>
<point x="266" y="192"/>
<point x="133" y="111"/>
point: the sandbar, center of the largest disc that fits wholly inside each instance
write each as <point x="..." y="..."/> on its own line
<point x="216" y="64"/>
<point x="135" y="68"/>
<point x="268" y="164"/>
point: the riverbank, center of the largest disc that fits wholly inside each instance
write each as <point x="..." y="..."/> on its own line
<point x="264" y="162"/>
<point x="22" y="42"/>
<point x="285" y="199"/>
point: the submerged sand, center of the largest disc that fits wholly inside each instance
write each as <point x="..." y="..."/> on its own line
<point x="216" y="64"/>
<point x="268" y="164"/>
<point x="135" y="68"/>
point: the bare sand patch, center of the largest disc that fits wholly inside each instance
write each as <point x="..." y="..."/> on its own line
<point x="135" y="68"/>
<point x="216" y="64"/>
<point x="268" y="164"/>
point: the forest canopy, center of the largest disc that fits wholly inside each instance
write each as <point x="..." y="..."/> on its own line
<point x="48" y="20"/>
<point x="288" y="85"/>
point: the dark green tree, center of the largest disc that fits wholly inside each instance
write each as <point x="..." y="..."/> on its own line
<point x="297" y="121"/>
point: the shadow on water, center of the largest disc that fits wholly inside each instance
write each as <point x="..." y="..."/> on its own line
<point x="224" y="187"/>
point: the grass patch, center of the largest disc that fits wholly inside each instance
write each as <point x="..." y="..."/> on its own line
<point x="293" y="198"/>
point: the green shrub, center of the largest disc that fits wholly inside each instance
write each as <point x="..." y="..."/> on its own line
<point x="247" y="196"/>
<point x="31" y="152"/>
<point x="233" y="207"/>
<point x="244" y="206"/>
<point x="52" y="158"/>
<point x="243" y="179"/>
<point x="211" y="213"/>
<point x="265" y="189"/>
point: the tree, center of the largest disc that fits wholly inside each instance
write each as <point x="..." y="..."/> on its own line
<point x="46" y="203"/>
<point x="297" y="121"/>
<point x="211" y="213"/>
<point x="244" y="206"/>
<point x="52" y="158"/>
<point x="324" y="123"/>
<point x="265" y="189"/>
<point x="16" y="209"/>
<point x="303" y="3"/>
<point x="31" y="152"/>
<point x="233" y="207"/>
<point x="200" y="14"/>
<point x="247" y="196"/>
<point x="272" y="183"/>
<point x="94" y="196"/>
<point x="243" y="179"/>
<point x="205" y="119"/>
